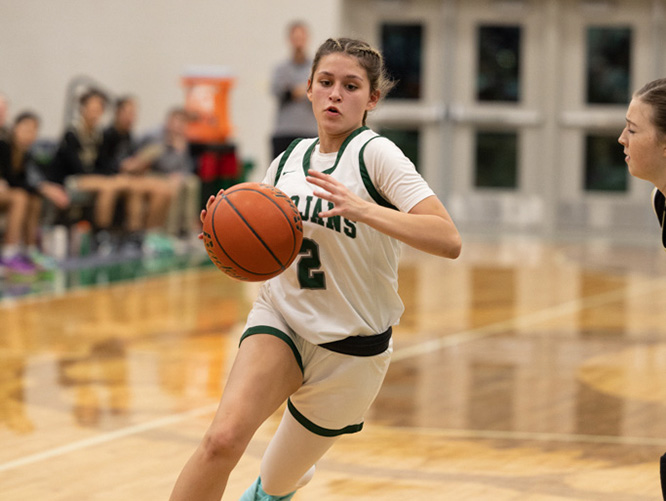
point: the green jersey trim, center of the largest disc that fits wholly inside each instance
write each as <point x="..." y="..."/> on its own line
<point x="308" y="153"/>
<point x="367" y="182"/>
<point x="318" y="430"/>
<point x="272" y="331"/>
<point x="285" y="156"/>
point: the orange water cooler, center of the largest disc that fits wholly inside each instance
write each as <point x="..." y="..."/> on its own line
<point x="207" y="91"/>
<point x="209" y="131"/>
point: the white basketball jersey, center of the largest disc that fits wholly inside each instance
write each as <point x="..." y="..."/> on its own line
<point x="345" y="280"/>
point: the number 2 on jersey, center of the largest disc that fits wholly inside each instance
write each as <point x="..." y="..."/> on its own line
<point x="309" y="263"/>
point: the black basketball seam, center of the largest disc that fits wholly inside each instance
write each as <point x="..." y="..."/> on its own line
<point x="286" y="216"/>
<point x="231" y="205"/>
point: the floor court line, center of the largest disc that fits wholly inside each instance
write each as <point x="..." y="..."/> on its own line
<point x="108" y="437"/>
<point x="532" y="436"/>
<point x="526" y="320"/>
<point x="402" y="354"/>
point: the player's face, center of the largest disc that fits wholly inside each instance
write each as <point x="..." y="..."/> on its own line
<point x="340" y="95"/>
<point x="644" y="145"/>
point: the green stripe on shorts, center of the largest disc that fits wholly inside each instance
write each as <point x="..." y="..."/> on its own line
<point x="318" y="430"/>
<point x="272" y="331"/>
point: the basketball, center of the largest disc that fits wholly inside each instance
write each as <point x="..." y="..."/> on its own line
<point x="252" y="232"/>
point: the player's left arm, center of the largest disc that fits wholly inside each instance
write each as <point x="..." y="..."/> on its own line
<point x="427" y="226"/>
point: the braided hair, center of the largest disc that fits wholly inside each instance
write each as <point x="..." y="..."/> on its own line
<point x="370" y="59"/>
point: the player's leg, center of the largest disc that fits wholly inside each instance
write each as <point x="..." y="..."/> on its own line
<point x="263" y="376"/>
<point x="330" y="403"/>
<point x="288" y="463"/>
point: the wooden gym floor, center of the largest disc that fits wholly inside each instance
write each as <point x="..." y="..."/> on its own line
<point x="526" y="370"/>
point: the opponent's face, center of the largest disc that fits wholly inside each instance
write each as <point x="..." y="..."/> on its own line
<point x="340" y="94"/>
<point x="25" y="133"/>
<point x="644" y="145"/>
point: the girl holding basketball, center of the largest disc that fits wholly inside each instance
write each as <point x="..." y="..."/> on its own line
<point x="644" y="141"/>
<point x="319" y="334"/>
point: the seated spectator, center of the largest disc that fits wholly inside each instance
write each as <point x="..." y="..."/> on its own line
<point x="4" y="108"/>
<point x="168" y="153"/>
<point x="148" y="199"/>
<point x="77" y="166"/>
<point x="22" y="187"/>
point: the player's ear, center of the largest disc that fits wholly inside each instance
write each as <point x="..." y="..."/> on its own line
<point x="309" y="91"/>
<point x="374" y="99"/>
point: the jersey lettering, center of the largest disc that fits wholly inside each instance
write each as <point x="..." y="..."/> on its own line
<point x="311" y="214"/>
<point x="315" y="213"/>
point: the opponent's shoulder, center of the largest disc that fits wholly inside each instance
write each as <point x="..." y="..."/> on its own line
<point x="658" y="204"/>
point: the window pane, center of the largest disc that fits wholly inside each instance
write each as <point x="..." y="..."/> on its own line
<point x="608" y="65"/>
<point x="605" y="169"/>
<point x="496" y="160"/>
<point x="407" y="140"/>
<point x="401" y="46"/>
<point x="499" y="63"/>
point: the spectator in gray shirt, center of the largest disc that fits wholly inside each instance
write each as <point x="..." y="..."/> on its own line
<point x="289" y="85"/>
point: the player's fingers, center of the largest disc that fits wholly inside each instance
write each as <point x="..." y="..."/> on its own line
<point x="202" y="216"/>
<point x="210" y="201"/>
<point x="321" y="183"/>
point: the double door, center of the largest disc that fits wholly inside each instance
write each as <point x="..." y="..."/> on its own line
<point x="512" y="108"/>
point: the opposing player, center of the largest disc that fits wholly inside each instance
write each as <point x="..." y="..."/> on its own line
<point x="644" y="141"/>
<point x="319" y="335"/>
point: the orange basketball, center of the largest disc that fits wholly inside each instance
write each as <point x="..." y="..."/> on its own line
<point x="252" y="232"/>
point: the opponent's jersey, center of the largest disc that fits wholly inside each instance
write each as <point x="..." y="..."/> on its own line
<point x="659" y="206"/>
<point x="345" y="280"/>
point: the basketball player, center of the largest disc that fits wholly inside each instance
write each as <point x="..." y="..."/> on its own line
<point x="644" y="141"/>
<point x="319" y="334"/>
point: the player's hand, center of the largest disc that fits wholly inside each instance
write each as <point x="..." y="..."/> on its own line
<point x="346" y="203"/>
<point x="210" y="201"/>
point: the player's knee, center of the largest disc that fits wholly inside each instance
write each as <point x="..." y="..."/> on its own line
<point x="223" y="444"/>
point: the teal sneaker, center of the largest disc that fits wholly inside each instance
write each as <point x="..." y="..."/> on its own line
<point x="256" y="493"/>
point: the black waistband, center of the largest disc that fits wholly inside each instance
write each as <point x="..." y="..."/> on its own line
<point x="361" y="346"/>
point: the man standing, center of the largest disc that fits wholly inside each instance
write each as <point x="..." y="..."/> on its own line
<point x="289" y="86"/>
